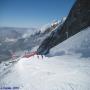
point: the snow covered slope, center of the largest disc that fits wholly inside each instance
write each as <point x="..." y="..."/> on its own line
<point x="77" y="44"/>
<point x="53" y="73"/>
<point x="66" y="71"/>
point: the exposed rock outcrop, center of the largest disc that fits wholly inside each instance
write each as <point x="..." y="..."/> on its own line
<point x="77" y="20"/>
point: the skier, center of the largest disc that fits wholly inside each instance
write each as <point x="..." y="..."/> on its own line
<point x="42" y="56"/>
<point x="38" y="56"/>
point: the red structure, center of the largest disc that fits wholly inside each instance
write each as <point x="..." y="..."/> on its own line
<point x="27" y="55"/>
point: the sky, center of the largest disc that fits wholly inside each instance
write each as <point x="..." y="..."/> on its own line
<point x="32" y="13"/>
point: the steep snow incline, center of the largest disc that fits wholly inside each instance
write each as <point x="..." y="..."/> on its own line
<point x="55" y="73"/>
<point x="79" y="43"/>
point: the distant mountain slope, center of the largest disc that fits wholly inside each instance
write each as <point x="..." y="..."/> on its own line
<point x="35" y="39"/>
<point x="77" y="20"/>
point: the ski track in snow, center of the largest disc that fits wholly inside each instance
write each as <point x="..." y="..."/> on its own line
<point x="53" y="73"/>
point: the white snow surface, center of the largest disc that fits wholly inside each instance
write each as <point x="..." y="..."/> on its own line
<point x="54" y="73"/>
<point x="65" y="71"/>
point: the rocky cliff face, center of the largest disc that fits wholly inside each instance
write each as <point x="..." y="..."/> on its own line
<point x="77" y="20"/>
